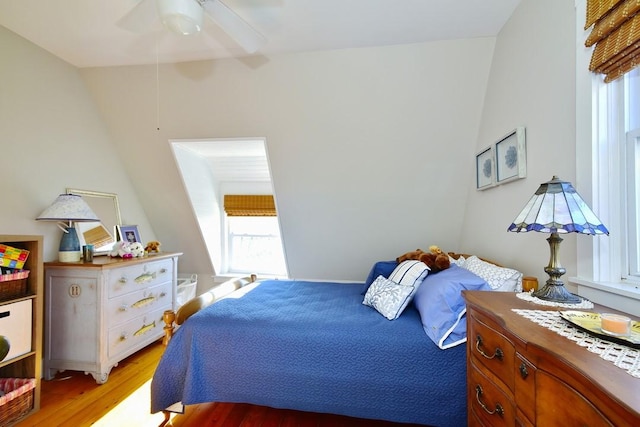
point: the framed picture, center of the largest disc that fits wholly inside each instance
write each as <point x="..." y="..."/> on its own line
<point x="129" y="233"/>
<point x="484" y="169"/>
<point x="511" y="157"/>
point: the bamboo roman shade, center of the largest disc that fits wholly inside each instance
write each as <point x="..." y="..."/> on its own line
<point x="616" y="35"/>
<point x="249" y="205"/>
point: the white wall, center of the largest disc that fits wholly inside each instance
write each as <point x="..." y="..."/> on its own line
<point x="369" y="148"/>
<point x="51" y="138"/>
<point x="532" y="84"/>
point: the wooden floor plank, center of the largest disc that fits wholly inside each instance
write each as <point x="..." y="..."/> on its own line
<point x="75" y="399"/>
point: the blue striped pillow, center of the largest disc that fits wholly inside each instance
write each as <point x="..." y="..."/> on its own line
<point x="410" y="273"/>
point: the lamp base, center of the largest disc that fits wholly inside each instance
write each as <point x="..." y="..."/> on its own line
<point x="557" y="293"/>
<point x="69" y="256"/>
<point x="69" y="250"/>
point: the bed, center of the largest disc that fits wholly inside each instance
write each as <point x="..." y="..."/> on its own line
<point x="316" y="346"/>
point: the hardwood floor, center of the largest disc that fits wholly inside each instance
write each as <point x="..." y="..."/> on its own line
<point x="74" y="399"/>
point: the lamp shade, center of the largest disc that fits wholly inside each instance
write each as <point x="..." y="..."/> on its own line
<point x="68" y="207"/>
<point x="557" y="208"/>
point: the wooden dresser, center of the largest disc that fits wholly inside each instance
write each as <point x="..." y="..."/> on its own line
<point x="522" y="374"/>
<point x="98" y="313"/>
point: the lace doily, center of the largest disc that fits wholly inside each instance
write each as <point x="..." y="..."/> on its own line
<point x="623" y="357"/>
<point x="528" y="296"/>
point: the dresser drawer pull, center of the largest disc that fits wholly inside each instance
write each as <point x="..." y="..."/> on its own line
<point x="524" y="372"/>
<point x="123" y="280"/>
<point x="498" y="409"/>
<point x="497" y="354"/>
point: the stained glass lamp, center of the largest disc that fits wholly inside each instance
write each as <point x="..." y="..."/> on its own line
<point x="557" y="208"/>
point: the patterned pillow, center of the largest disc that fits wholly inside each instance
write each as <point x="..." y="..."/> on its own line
<point x="459" y="262"/>
<point x="410" y="273"/>
<point x="388" y="297"/>
<point x="498" y="278"/>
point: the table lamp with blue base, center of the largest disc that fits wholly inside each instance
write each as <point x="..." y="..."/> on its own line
<point x="65" y="210"/>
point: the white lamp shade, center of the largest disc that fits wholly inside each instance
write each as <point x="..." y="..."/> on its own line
<point x="68" y="207"/>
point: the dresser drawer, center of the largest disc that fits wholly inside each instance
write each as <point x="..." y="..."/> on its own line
<point x="525" y="387"/>
<point x="488" y="402"/>
<point x="493" y="350"/>
<point x="123" y="308"/>
<point x="123" y="280"/>
<point x="135" y="332"/>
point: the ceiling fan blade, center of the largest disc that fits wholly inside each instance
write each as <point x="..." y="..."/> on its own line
<point x="236" y="27"/>
<point x="141" y="18"/>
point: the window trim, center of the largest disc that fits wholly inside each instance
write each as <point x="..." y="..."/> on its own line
<point x="598" y="258"/>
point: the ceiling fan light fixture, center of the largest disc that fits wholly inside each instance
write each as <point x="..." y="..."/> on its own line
<point x="181" y="16"/>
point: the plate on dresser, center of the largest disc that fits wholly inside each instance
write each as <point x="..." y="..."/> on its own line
<point x="590" y="322"/>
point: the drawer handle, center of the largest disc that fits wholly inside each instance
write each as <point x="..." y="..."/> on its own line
<point x="123" y="280"/>
<point x="524" y="372"/>
<point x="163" y="270"/>
<point x="123" y="336"/>
<point x="123" y="307"/>
<point x="498" y="409"/>
<point x="497" y="354"/>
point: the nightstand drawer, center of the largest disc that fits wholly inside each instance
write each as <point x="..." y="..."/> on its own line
<point x="126" y="307"/>
<point x="489" y="402"/>
<point x="139" y="276"/>
<point x="493" y="350"/>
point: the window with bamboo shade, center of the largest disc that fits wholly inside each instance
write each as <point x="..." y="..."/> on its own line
<point x="616" y="36"/>
<point x="249" y="205"/>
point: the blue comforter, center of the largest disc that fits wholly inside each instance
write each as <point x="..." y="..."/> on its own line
<point x="313" y="346"/>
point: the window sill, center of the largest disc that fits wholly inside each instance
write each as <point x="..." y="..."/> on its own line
<point x="615" y="295"/>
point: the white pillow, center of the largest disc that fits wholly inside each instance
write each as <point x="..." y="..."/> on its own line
<point x="498" y="278"/>
<point x="388" y="297"/>
<point x="410" y="273"/>
<point x="459" y="262"/>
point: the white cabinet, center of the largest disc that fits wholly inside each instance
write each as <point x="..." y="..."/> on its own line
<point x="98" y="313"/>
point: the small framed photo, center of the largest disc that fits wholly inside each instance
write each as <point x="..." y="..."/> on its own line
<point x="484" y="169"/>
<point x="511" y="156"/>
<point x="129" y="233"/>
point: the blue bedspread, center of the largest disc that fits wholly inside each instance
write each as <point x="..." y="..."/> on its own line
<point x="313" y="346"/>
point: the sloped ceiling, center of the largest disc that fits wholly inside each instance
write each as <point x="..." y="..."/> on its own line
<point x="85" y="33"/>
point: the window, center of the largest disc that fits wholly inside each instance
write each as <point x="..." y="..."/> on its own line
<point x="617" y="181"/>
<point x="254" y="245"/>
<point x="608" y="172"/>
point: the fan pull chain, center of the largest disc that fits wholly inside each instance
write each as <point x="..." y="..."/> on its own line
<point x="157" y="87"/>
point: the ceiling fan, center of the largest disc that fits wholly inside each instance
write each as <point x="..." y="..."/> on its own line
<point x="187" y="16"/>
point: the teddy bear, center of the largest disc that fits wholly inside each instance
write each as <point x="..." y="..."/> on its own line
<point x="152" y="246"/>
<point x="410" y="255"/>
<point x="435" y="259"/>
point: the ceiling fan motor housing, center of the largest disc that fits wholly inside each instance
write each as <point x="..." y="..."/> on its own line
<point x="181" y="16"/>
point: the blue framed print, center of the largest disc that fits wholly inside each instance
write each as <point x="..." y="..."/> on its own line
<point x="511" y="156"/>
